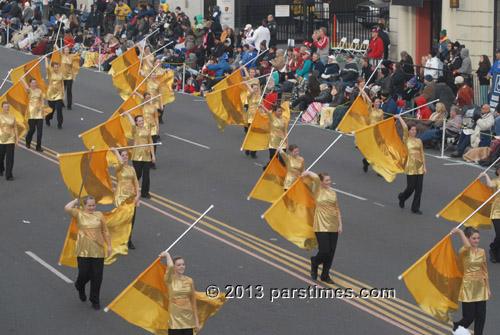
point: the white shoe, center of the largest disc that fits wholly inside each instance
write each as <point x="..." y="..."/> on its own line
<point x="461" y="331"/>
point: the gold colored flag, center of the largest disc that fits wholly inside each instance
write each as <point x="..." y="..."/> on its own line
<point x="123" y="61"/>
<point x="227" y="105"/>
<point x="98" y="181"/>
<point x="357" y="117"/>
<point x="435" y="280"/>
<point x="257" y="137"/>
<point x="18" y="100"/>
<point x="292" y="216"/>
<point x="270" y="185"/>
<point x="145" y="302"/>
<point x="167" y="93"/>
<point x="119" y="222"/>
<point x="33" y="70"/>
<point x="127" y="105"/>
<point x="233" y="79"/>
<point x="467" y="202"/>
<point x="382" y="147"/>
<point x="127" y="80"/>
<point x="56" y="57"/>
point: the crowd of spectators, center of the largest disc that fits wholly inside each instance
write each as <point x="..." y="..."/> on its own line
<point x="203" y="51"/>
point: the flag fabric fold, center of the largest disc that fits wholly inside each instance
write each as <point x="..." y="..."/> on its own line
<point x="145" y="301"/>
<point x="126" y="106"/>
<point x="357" y="117"/>
<point x="270" y="185"/>
<point x="292" y="216"/>
<point x="467" y="202"/>
<point x="435" y="280"/>
<point x="227" y="105"/>
<point x="18" y="100"/>
<point x="123" y="61"/>
<point x="127" y="80"/>
<point x="33" y="70"/>
<point x="98" y="182"/>
<point x="382" y="147"/>
<point x="166" y="91"/>
<point x="233" y="79"/>
<point x="56" y="57"/>
<point x="119" y="222"/>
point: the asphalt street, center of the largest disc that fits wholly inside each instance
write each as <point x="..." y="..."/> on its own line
<point x="198" y="165"/>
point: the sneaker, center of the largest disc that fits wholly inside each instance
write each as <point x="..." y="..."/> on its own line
<point x="455" y="154"/>
<point x="81" y="294"/>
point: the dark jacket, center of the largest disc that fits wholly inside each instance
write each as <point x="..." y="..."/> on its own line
<point x="324" y="97"/>
<point x="444" y="93"/>
<point x="385" y="39"/>
<point x="318" y="66"/>
<point x="390" y="108"/>
<point x="366" y="72"/>
<point x="95" y="19"/>
<point x="349" y="72"/>
<point x="398" y="79"/>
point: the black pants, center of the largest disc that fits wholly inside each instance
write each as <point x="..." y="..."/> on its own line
<point x="56" y="105"/>
<point x="68" y="86"/>
<point x="495" y="245"/>
<point x="249" y="152"/>
<point x="155" y="140"/>
<point x="327" y="243"/>
<point x="133" y="221"/>
<point x="272" y="152"/>
<point x="35" y="124"/>
<point x="7" y="155"/>
<point x="90" y="269"/>
<point x="473" y="312"/>
<point x="413" y="183"/>
<point x="142" y="169"/>
<point x="160" y="115"/>
<point x="188" y="331"/>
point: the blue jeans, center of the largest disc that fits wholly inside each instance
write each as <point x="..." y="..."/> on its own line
<point x="463" y="143"/>
<point x="430" y="135"/>
<point x="96" y="31"/>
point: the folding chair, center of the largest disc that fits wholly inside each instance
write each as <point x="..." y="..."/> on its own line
<point x="354" y="47"/>
<point x="340" y="46"/>
<point x="364" y="47"/>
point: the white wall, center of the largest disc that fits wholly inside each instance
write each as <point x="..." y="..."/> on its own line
<point x="190" y="7"/>
<point x="402" y="25"/>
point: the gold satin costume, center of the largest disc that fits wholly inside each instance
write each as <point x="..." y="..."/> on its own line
<point x="475" y="275"/>
<point x="150" y="118"/>
<point x="67" y="67"/>
<point x="91" y="231"/>
<point x="253" y="103"/>
<point x="55" y="91"/>
<point x="495" y="208"/>
<point x="327" y="213"/>
<point x="415" y="162"/>
<point x="278" y="131"/>
<point x="376" y="115"/>
<point x="294" y="168"/>
<point x="153" y="87"/>
<point x="36" y="108"/>
<point x="160" y="72"/>
<point x="126" y="184"/>
<point x="7" y="128"/>
<point x="182" y="301"/>
<point x="146" y="69"/>
<point x="141" y="136"/>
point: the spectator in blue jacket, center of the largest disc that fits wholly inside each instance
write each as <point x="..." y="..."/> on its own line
<point x="317" y="65"/>
<point x="389" y="106"/>
<point x="4" y="8"/>
<point x="219" y="69"/>
<point x="147" y="11"/>
<point x="249" y="55"/>
<point x="350" y="71"/>
<point x="496" y="65"/>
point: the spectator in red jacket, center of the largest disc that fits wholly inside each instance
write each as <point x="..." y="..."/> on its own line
<point x="464" y="93"/>
<point x="376" y="46"/>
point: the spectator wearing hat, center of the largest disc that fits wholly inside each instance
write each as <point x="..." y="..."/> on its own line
<point x="465" y="69"/>
<point x="321" y="43"/>
<point x="262" y="51"/>
<point x="265" y="67"/>
<point x="331" y="71"/>
<point x="248" y="58"/>
<point x="442" y="48"/>
<point x="432" y="65"/>
<point x="427" y="88"/>
<point x="260" y="34"/>
<point x="273" y="30"/>
<point x="219" y="69"/>
<point x="305" y="67"/>
<point x="122" y="11"/>
<point x="95" y="21"/>
<point x="350" y="71"/>
<point x="412" y="88"/>
<point x="376" y="46"/>
<point x="464" y="92"/>
<point x="385" y="39"/>
<point x="248" y="33"/>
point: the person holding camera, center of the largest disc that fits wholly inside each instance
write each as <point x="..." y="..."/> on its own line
<point x="480" y="135"/>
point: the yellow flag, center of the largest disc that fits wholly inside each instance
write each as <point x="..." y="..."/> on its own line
<point x="257" y="137"/>
<point x="98" y="182"/>
<point x="167" y="80"/>
<point x="227" y="105"/>
<point x="233" y="79"/>
<point x="127" y="80"/>
<point x="270" y="185"/>
<point x="382" y="147"/>
<point x="357" y="117"/>
<point x="33" y="70"/>
<point x="56" y="57"/>
<point x="145" y="301"/>
<point x="119" y="222"/>
<point x="123" y="61"/>
<point x="18" y="100"/>
<point x="127" y="105"/>
<point x="292" y="216"/>
<point x="435" y="280"/>
<point x="467" y="202"/>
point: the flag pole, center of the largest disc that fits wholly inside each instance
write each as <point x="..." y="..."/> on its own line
<point x="324" y="152"/>
<point x="190" y="227"/>
<point x="145" y="102"/>
<point x="166" y="45"/>
<point x="58" y="30"/>
<point x="489" y="167"/>
<point x="370" y="78"/>
<point x="258" y="54"/>
<point x="138" y="146"/>
<point x="39" y="61"/>
<point x="246" y="81"/>
<point x="5" y="79"/>
<point x="265" y="87"/>
<point x="411" y="110"/>
<point x="85" y="174"/>
<point x="146" y="76"/>
<point x="477" y="210"/>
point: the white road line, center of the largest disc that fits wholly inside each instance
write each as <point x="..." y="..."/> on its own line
<point x="49" y="267"/>
<point x="9" y="81"/>
<point x="455" y="163"/>
<point x="349" y="194"/>
<point x="259" y="164"/>
<point x="376" y="203"/>
<point x="92" y="109"/>
<point x="188" y="141"/>
<point x="204" y="100"/>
